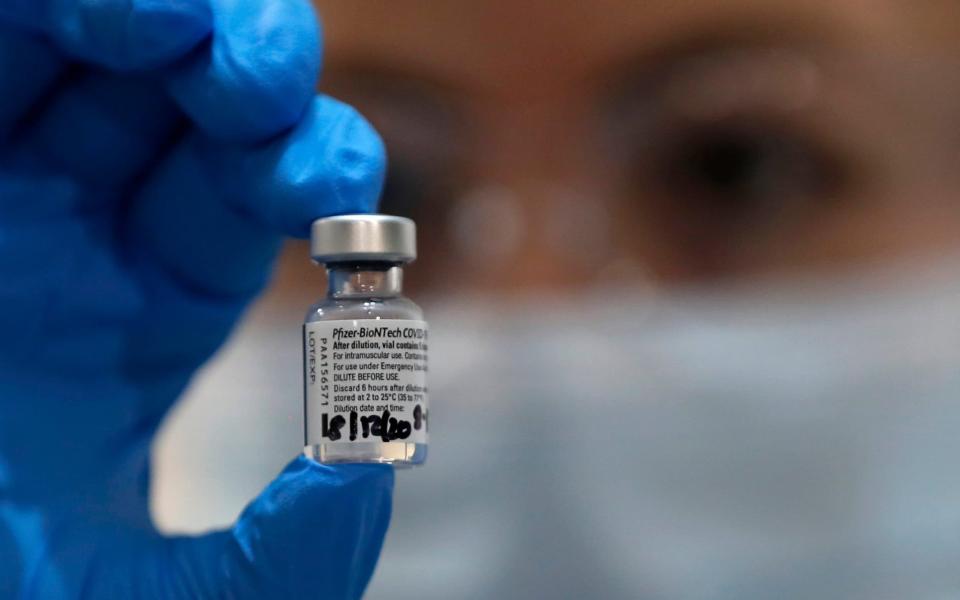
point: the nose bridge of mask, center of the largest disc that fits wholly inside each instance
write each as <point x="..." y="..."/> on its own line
<point x="792" y="336"/>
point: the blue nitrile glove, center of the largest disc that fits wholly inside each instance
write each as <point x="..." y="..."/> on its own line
<point x="152" y="152"/>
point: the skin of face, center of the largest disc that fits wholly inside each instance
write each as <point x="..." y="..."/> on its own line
<point x="548" y="145"/>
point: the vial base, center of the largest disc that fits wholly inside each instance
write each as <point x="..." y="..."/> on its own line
<point x="399" y="454"/>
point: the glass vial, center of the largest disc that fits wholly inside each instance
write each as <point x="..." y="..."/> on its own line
<point x="365" y="347"/>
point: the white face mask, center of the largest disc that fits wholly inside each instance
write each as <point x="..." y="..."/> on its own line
<point x="787" y="441"/>
<point x="793" y="441"/>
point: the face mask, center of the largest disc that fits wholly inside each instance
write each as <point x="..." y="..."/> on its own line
<point x="777" y="441"/>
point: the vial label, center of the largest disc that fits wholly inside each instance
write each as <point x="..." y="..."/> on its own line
<point x="365" y="380"/>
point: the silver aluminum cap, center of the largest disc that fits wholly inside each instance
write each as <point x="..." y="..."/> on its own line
<point x="347" y="238"/>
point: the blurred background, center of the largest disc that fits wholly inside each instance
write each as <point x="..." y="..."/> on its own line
<point x="692" y="274"/>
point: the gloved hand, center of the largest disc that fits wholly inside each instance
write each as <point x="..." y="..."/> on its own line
<point x="152" y="152"/>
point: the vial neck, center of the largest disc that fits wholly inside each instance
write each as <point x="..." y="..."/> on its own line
<point x="364" y="280"/>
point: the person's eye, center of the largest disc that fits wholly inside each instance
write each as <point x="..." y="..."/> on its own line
<point x="404" y="190"/>
<point x="738" y="175"/>
<point x="724" y="196"/>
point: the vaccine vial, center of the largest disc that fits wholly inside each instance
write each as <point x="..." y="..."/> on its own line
<point x="365" y="346"/>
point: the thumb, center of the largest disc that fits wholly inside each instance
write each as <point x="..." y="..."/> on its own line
<point x="315" y="532"/>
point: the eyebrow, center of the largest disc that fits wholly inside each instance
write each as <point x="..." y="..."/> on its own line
<point x="646" y="68"/>
<point x="383" y="76"/>
<point x="431" y="103"/>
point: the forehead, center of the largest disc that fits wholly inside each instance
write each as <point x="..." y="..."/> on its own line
<point x="477" y="41"/>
